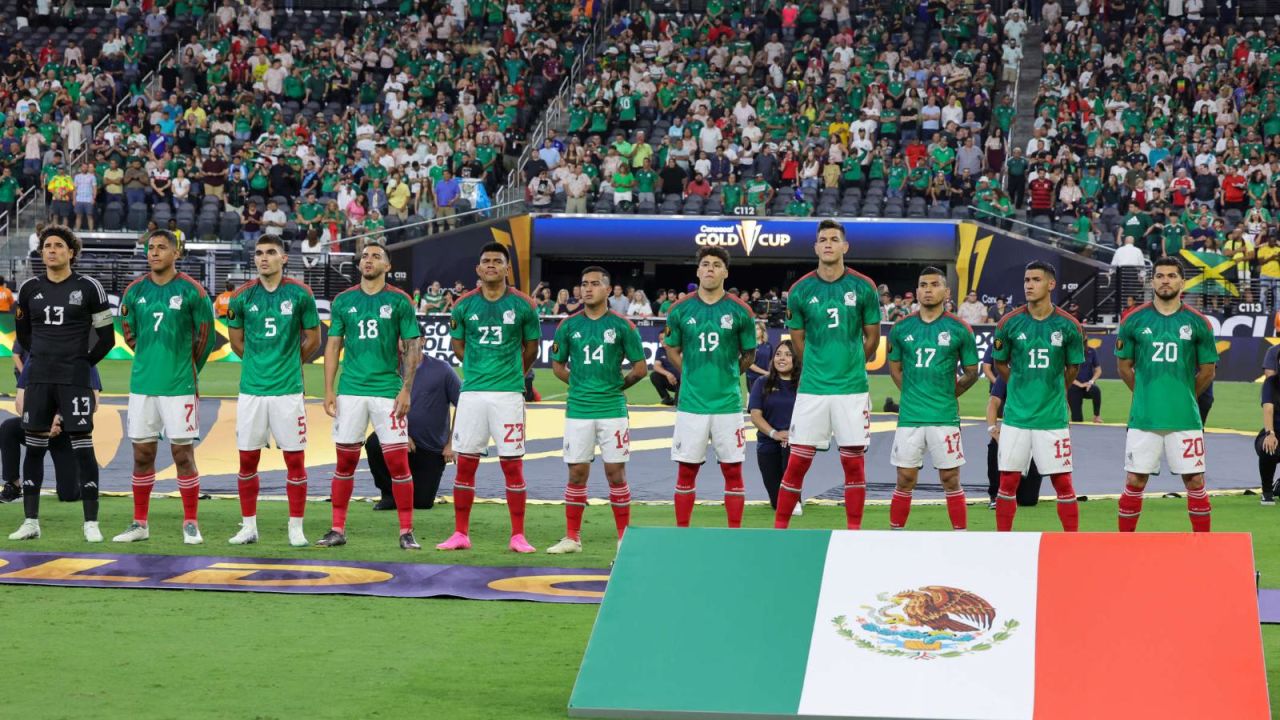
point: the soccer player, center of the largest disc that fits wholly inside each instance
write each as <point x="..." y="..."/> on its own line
<point x="377" y="324"/>
<point x="589" y="349"/>
<point x="1038" y="348"/>
<point x="924" y="350"/>
<point x="1166" y="354"/>
<point x="58" y="314"/>
<point x="834" y="316"/>
<point x="711" y="340"/>
<point x="495" y="332"/>
<point x="168" y="322"/>
<point x="273" y="326"/>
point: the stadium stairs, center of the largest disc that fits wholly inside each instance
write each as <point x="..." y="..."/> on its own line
<point x="1028" y="84"/>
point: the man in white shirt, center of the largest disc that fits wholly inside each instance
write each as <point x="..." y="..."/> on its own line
<point x="1128" y="255"/>
<point x="273" y="220"/>
<point x="709" y="138"/>
<point x="972" y="310"/>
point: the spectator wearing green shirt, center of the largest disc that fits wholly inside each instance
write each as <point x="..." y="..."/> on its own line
<point x="759" y="194"/>
<point x="624" y="185"/>
<point x="646" y="183"/>
<point x="799" y="206"/>
<point x="731" y="195"/>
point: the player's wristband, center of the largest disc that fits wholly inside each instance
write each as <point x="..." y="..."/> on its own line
<point x="992" y="428"/>
<point x="773" y="434"/>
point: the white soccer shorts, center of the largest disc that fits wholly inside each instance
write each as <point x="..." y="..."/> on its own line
<point x="482" y="416"/>
<point x="582" y="436"/>
<point x="816" y="418"/>
<point x="261" y="418"/>
<point x="357" y="412"/>
<point x="942" y="443"/>
<point x="1051" y="449"/>
<point x="177" y="417"/>
<point x="1183" y="451"/>
<point x="693" y="432"/>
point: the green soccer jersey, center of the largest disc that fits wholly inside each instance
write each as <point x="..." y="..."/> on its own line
<point x="172" y="326"/>
<point x="272" y="321"/>
<point x="711" y="338"/>
<point x="594" y="351"/>
<point x="371" y="328"/>
<point x="929" y="353"/>
<point x="1166" y="351"/>
<point x="494" y="332"/>
<point x="832" y="316"/>
<point x="1038" y="353"/>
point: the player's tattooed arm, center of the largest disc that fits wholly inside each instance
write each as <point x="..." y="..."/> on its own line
<point x="1204" y="377"/>
<point x="1124" y="368"/>
<point x="410" y="359"/>
<point x="968" y="376"/>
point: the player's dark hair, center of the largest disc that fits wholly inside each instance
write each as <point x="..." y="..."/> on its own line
<point x="496" y="247"/>
<point x="171" y="238"/>
<point x="608" y="279"/>
<point x="1171" y="261"/>
<point x="931" y="270"/>
<point x="772" y="380"/>
<point x="829" y="224"/>
<point x="715" y="252"/>
<point x="279" y="242"/>
<point x="1044" y="266"/>
<point x="66" y="235"/>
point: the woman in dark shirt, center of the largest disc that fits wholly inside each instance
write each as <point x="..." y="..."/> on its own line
<point x="764" y="352"/>
<point x="773" y="397"/>
<point x="1266" y="445"/>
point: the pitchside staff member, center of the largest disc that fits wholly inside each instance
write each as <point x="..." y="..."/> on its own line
<point x="58" y="313"/>
<point x="1086" y="386"/>
<point x="432" y="399"/>
<point x="1266" y="444"/>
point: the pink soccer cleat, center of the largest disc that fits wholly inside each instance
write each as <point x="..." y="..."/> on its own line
<point x="520" y="545"/>
<point x="456" y="541"/>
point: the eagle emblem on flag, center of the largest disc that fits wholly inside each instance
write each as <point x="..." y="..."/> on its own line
<point x="932" y="621"/>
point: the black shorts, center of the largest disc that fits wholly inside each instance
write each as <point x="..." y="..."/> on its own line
<point x="44" y="400"/>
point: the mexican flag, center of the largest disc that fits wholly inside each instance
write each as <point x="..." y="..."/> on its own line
<point x="701" y="623"/>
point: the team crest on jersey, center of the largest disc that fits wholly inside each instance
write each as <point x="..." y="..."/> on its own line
<point x="384" y="312"/>
<point x="555" y="348"/>
<point x="75" y="298"/>
<point x="999" y="343"/>
<point x="610" y="336"/>
<point x="1184" y="332"/>
<point x="851" y="299"/>
<point x="1055" y="339"/>
<point x="286" y="307"/>
<point x="944" y="339"/>
<point x="124" y="310"/>
<point x="726" y="322"/>
<point x="508" y="317"/>
<point x="175" y="302"/>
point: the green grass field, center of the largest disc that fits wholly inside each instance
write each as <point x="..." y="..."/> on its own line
<point x="1235" y="407"/>
<point x="199" y="654"/>
<point x="145" y="654"/>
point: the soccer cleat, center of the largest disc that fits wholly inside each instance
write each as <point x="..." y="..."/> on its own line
<point x="91" y="532"/>
<point x="1268" y="502"/>
<point x="385" y="503"/>
<point x="191" y="534"/>
<point x="520" y="545"/>
<point x="296" y="537"/>
<point x="135" y="532"/>
<point x="991" y="505"/>
<point x="10" y="492"/>
<point x="333" y="538"/>
<point x="568" y="545"/>
<point x="456" y="541"/>
<point x="28" y="530"/>
<point x="409" y="542"/>
<point x="248" y="535"/>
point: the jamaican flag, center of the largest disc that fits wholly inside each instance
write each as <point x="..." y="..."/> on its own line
<point x="1207" y="274"/>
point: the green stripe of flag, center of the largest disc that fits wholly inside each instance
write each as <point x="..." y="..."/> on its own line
<point x="660" y="646"/>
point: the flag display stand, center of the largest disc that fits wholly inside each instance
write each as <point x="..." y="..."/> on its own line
<point x="709" y="623"/>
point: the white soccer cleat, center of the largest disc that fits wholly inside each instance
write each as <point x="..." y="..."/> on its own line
<point x="248" y="535"/>
<point x="566" y="546"/>
<point x="191" y="534"/>
<point x="91" y="532"/>
<point x="135" y="532"/>
<point x="296" y="536"/>
<point x="798" y="510"/>
<point x="28" y="530"/>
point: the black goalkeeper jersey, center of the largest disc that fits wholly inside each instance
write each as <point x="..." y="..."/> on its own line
<point x="61" y="317"/>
